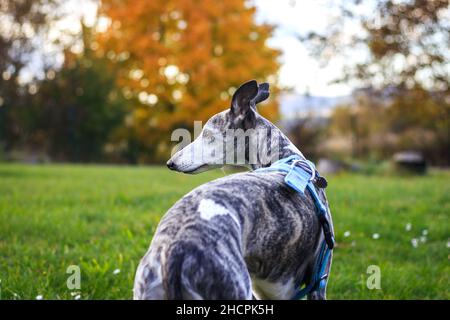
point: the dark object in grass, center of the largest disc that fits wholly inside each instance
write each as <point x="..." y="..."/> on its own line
<point x="410" y="162"/>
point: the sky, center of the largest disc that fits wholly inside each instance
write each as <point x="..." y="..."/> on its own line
<point x="299" y="70"/>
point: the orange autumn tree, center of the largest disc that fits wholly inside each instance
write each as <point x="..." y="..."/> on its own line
<point x="181" y="60"/>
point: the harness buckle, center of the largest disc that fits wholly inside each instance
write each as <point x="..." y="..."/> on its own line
<point x="320" y="182"/>
<point x="328" y="235"/>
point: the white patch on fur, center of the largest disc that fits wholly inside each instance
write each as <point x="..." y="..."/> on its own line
<point x="263" y="289"/>
<point x="208" y="209"/>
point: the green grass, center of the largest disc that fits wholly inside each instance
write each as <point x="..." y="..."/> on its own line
<point x="102" y="218"/>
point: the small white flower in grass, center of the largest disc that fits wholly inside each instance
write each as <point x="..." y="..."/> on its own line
<point x="423" y="239"/>
<point x="117" y="271"/>
<point x="347" y="234"/>
<point x="414" y="242"/>
<point x="408" y="226"/>
<point x="424" y="232"/>
<point x="39" y="297"/>
<point x="376" y="236"/>
<point x="77" y="297"/>
<point x="448" y="244"/>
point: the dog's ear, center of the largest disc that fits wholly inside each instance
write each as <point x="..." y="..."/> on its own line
<point x="241" y="111"/>
<point x="263" y="93"/>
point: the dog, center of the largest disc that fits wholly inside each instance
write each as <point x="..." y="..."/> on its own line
<point x="244" y="236"/>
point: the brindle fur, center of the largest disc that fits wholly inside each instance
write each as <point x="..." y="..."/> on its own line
<point x="262" y="239"/>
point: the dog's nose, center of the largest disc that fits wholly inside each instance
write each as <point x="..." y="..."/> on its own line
<point x="170" y="164"/>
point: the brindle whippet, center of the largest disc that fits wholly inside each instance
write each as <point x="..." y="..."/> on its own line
<point x="243" y="235"/>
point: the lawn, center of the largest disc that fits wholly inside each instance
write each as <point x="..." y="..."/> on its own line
<point x="101" y="218"/>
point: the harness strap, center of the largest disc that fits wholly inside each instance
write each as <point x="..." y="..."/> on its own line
<point x="300" y="174"/>
<point x="319" y="276"/>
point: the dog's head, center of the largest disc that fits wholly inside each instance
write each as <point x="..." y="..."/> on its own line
<point x="226" y="137"/>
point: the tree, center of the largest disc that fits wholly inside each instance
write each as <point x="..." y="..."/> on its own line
<point x="407" y="43"/>
<point x="407" y="46"/>
<point x="182" y="60"/>
<point x="21" y="22"/>
<point x="76" y="111"/>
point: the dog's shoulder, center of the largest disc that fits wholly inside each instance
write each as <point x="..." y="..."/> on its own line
<point x="249" y="178"/>
<point x="243" y="182"/>
<point x="238" y="185"/>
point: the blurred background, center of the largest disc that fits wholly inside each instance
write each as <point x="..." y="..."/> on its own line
<point x="353" y="82"/>
<point x="361" y="87"/>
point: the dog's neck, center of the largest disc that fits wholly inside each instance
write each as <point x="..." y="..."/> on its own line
<point x="278" y="145"/>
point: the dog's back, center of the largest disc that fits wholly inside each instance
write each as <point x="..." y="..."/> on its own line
<point x="221" y="235"/>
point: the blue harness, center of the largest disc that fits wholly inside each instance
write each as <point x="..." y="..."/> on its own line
<point x="300" y="174"/>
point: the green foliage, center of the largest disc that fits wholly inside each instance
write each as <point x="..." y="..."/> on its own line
<point x="103" y="218"/>
<point x="76" y="113"/>
<point x="19" y="20"/>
